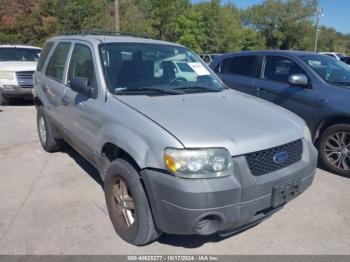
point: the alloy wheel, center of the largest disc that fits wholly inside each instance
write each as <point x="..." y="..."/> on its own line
<point x="337" y="150"/>
<point x="124" y="204"/>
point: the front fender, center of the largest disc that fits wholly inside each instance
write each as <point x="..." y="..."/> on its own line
<point x="146" y="148"/>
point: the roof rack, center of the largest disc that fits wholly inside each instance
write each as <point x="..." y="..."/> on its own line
<point x="109" y="33"/>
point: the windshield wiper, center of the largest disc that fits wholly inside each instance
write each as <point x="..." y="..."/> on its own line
<point x="149" y="89"/>
<point x="198" y="88"/>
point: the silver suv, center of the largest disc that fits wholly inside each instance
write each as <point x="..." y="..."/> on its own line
<point x="178" y="153"/>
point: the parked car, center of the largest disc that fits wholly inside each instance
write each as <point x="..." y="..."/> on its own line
<point x="314" y="86"/>
<point x="208" y="58"/>
<point x="346" y="59"/>
<point x="176" y="155"/>
<point x="335" y="55"/>
<point x="17" y="66"/>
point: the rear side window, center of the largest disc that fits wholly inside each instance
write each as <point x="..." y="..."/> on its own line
<point x="241" y="65"/>
<point x="44" y="53"/>
<point x="277" y="68"/>
<point x="81" y="64"/>
<point x="55" y="68"/>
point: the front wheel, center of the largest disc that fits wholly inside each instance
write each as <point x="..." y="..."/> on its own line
<point x="334" y="149"/>
<point x="127" y="204"/>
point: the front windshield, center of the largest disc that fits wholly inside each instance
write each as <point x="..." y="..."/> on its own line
<point x="132" y="68"/>
<point x="331" y="70"/>
<point x="19" y="54"/>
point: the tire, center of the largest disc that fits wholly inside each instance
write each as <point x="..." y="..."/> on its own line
<point x="3" y="100"/>
<point x="141" y="230"/>
<point x="46" y="136"/>
<point x="335" y="145"/>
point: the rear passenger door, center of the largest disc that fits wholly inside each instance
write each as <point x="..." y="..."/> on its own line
<point x="82" y="112"/>
<point x="53" y="84"/>
<point x="237" y="72"/>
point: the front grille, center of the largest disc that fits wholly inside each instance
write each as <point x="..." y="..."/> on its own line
<point x="263" y="162"/>
<point x="25" y="79"/>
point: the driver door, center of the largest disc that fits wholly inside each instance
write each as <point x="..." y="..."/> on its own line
<point x="273" y="85"/>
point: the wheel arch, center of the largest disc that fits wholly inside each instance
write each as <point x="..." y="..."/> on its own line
<point x="112" y="152"/>
<point x="340" y="119"/>
<point x="118" y="141"/>
<point x="37" y="101"/>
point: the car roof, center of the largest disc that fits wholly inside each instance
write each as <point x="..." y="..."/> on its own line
<point x="19" y="46"/>
<point x="98" y="39"/>
<point x="272" y="52"/>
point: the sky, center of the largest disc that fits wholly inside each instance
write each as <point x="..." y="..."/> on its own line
<point x="335" y="12"/>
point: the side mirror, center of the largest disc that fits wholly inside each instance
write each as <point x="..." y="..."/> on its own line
<point x="80" y="85"/>
<point x="298" y="80"/>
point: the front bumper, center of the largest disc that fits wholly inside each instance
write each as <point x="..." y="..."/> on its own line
<point x="16" y="91"/>
<point x="221" y="205"/>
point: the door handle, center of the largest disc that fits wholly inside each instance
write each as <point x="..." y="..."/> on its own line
<point x="260" y="91"/>
<point x="64" y="100"/>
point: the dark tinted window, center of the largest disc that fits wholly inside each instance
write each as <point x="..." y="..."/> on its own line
<point x="55" y="68"/>
<point x="277" y="68"/>
<point x="19" y="54"/>
<point x="45" y="52"/>
<point x="240" y="65"/>
<point x="81" y="63"/>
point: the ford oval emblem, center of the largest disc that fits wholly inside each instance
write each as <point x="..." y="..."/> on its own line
<point x="280" y="157"/>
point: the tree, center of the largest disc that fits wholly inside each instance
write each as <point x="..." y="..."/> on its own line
<point x="208" y="26"/>
<point x="283" y="24"/>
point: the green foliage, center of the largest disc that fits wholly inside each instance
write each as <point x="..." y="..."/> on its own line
<point x="207" y="27"/>
<point x="283" y="24"/>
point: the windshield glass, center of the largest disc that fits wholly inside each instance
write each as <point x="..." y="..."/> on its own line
<point x="133" y="68"/>
<point x="19" y="54"/>
<point x="331" y="70"/>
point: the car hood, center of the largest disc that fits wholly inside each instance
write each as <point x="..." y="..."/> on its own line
<point x="230" y="119"/>
<point x="16" y="66"/>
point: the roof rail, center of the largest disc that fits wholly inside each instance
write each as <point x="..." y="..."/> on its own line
<point x="109" y="33"/>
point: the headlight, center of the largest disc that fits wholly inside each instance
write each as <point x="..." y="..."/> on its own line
<point x="6" y="75"/>
<point x="198" y="163"/>
<point x="307" y="134"/>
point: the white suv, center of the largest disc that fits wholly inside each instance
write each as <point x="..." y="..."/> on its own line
<point x="17" y="66"/>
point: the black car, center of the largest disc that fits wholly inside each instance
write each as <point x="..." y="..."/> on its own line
<point x="346" y="59"/>
<point x="314" y="86"/>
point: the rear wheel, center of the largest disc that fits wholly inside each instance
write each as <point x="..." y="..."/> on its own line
<point x="127" y="204"/>
<point x="46" y="135"/>
<point x="335" y="149"/>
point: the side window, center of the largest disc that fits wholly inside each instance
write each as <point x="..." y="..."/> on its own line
<point x="241" y="65"/>
<point x="55" y="68"/>
<point x="44" y="53"/>
<point x="277" y="68"/>
<point x="81" y="64"/>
